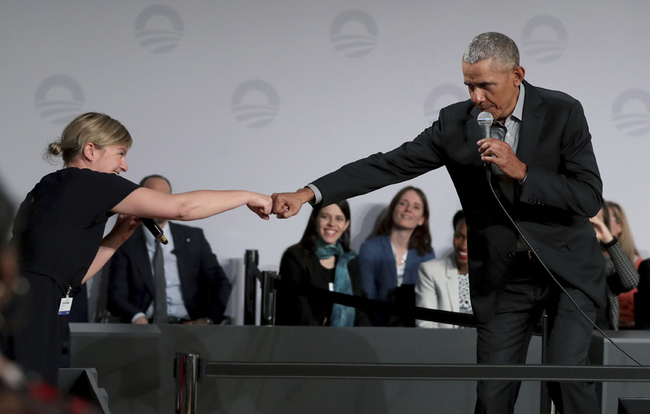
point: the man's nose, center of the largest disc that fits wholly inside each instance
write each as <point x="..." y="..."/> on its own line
<point x="477" y="96"/>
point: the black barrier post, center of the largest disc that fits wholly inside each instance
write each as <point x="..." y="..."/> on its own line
<point x="267" y="317"/>
<point x="251" y="261"/>
<point x="186" y="370"/>
<point x="544" y="397"/>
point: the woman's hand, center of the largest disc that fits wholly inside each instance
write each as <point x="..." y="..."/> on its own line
<point x="260" y="204"/>
<point x="602" y="232"/>
<point x="124" y="228"/>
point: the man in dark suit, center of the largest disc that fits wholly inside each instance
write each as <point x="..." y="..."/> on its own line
<point x="545" y="175"/>
<point x="197" y="289"/>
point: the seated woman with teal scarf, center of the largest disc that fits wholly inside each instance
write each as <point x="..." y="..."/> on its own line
<point x="322" y="259"/>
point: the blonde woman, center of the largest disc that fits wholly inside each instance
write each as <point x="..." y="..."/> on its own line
<point x="621" y="230"/>
<point x="60" y="228"/>
<point x="621" y="273"/>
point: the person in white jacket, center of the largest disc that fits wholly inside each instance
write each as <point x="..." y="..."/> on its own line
<point x="444" y="282"/>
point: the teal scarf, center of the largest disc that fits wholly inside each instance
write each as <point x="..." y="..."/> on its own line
<point x="341" y="315"/>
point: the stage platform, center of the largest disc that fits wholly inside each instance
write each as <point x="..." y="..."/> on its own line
<point x="135" y="367"/>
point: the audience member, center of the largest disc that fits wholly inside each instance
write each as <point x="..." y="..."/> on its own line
<point x="195" y="286"/>
<point x="322" y="259"/>
<point x="621" y="230"/>
<point x="390" y="259"/>
<point x="620" y="271"/>
<point x="444" y="282"/>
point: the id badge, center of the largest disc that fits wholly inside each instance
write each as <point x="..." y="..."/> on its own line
<point x="65" y="306"/>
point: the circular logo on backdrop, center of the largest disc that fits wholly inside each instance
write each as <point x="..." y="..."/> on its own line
<point x="353" y="33"/>
<point x="255" y="103"/>
<point x="159" y="28"/>
<point x="59" y="99"/>
<point x="631" y="112"/>
<point x="544" y="39"/>
<point x="442" y="96"/>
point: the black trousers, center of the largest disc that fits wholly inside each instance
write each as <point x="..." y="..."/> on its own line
<point x="35" y="335"/>
<point x="505" y="339"/>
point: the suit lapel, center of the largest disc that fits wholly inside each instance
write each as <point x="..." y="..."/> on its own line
<point x="387" y="251"/>
<point x="531" y="125"/>
<point x="179" y="236"/>
<point x="473" y="135"/>
<point x="314" y="277"/>
<point x="452" y="284"/>
<point x="181" y="241"/>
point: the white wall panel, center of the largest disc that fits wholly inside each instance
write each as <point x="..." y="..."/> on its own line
<point x="175" y="93"/>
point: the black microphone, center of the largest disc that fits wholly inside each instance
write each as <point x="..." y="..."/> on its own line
<point x="485" y="120"/>
<point x="155" y="230"/>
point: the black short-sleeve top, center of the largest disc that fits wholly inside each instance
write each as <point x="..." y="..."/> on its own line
<point x="60" y="225"/>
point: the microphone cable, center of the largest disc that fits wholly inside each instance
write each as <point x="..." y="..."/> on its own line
<point x="539" y="259"/>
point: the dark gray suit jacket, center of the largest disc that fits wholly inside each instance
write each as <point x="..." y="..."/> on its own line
<point x="562" y="190"/>
<point x="204" y="284"/>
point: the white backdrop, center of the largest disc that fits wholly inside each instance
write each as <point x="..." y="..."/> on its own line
<point x="268" y="95"/>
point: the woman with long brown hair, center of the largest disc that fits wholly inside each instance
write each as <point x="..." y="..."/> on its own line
<point x="389" y="260"/>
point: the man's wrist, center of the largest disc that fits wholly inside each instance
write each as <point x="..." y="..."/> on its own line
<point x="523" y="180"/>
<point x="307" y="194"/>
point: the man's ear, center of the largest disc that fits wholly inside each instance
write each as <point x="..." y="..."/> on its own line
<point x="519" y="72"/>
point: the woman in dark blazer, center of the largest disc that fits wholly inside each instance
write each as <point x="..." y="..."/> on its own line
<point x="322" y="259"/>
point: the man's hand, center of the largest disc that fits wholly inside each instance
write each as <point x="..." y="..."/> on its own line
<point x="142" y="320"/>
<point x="286" y="205"/>
<point x="500" y="154"/>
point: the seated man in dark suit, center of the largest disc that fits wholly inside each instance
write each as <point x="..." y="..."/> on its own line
<point x="193" y="286"/>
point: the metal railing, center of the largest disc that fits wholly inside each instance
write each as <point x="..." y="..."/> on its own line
<point x="187" y="388"/>
<point x="190" y="369"/>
